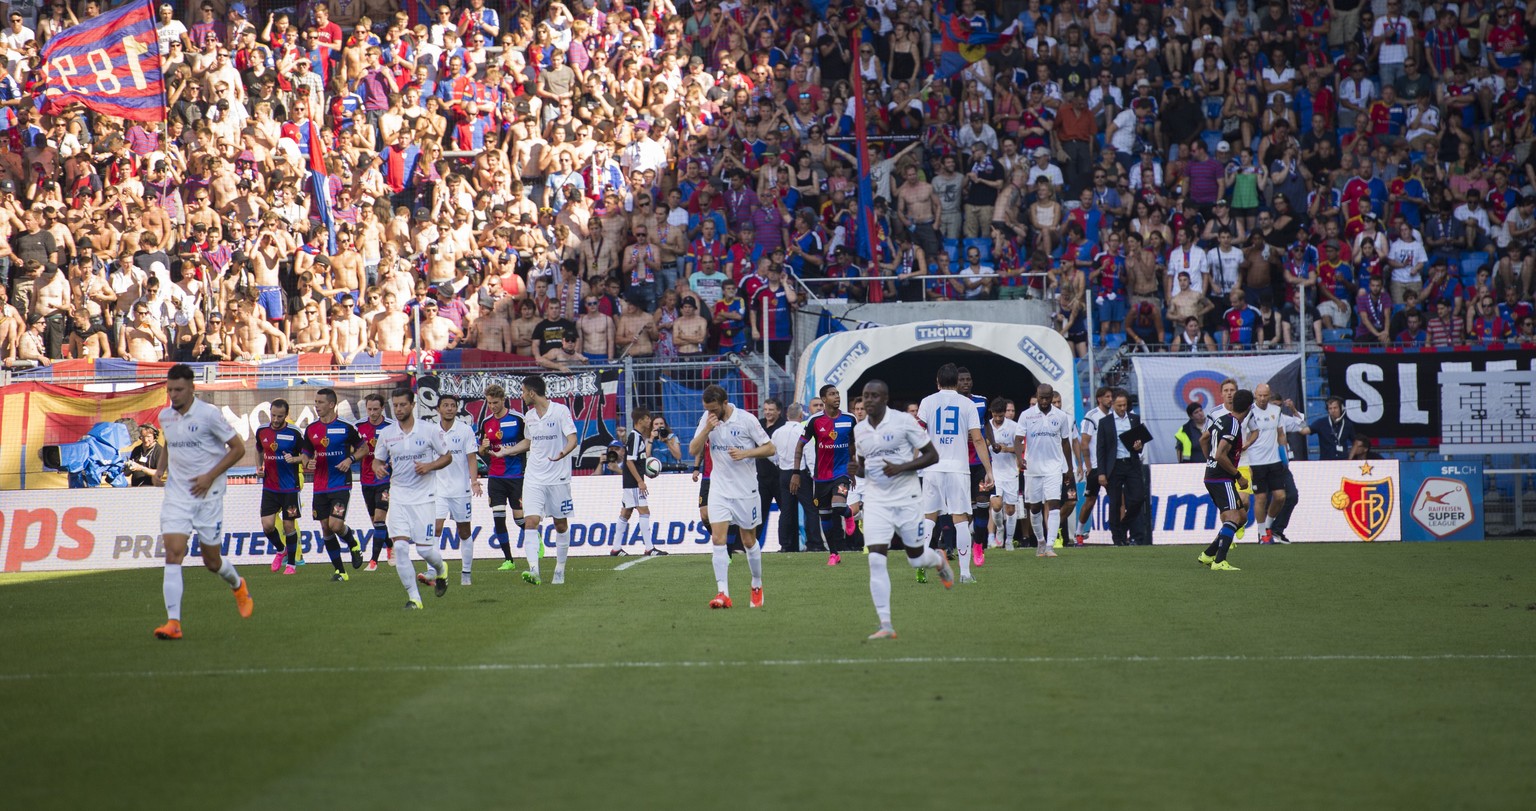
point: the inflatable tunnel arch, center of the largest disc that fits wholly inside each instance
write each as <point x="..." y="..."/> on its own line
<point x="844" y="358"/>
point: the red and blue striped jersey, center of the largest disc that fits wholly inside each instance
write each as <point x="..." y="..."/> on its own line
<point x="833" y="438"/>
<point x="369" y="434"/>
<point x="329" y="443"/>
<point x="505" y="430"/>
<point x="981" y="414"/>
<point x="273" y="444"/>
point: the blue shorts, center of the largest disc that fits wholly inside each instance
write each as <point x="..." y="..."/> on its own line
<point x="1110" y="311"/>
<point x="271" y="300"/>
<point x="595" y="358"/>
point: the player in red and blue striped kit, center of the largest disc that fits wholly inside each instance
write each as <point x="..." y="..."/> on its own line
<point x="332" y="445"/>
<point x="503" y="445"/>
<point x="375" y="485"/>
<point x="832" y="433"/>
<point x="980" y="500"/>
<point x="279" y="446"/>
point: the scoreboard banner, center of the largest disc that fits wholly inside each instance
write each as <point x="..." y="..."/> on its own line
<point x="119" y="528"/>
<point x="109" y="63"/>
<point x="1396" y="397"/>
<point x="1340" y="502"/>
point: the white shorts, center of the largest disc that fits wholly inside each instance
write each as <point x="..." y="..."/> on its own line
<point x="181" y="514"/>
<point x="414" y="522"/>
<point x="1008" y="489"/>
<point x="453" y="508"/>
<point x="947" y="492"/>
<point x="881" y="524"/>
<point x="739" y="512"/>
<point x="632" y="498"/>
<point x="547" y="500"/>
<point x="1040" y="489"/>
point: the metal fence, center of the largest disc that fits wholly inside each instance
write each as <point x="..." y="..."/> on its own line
<point x="1509" y="500"/>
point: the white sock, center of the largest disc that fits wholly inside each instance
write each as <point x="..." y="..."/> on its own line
<point x="925" y="533"/>
<point x="1052" y="526"/>
<point x="994" y="525"/>
<point x="406" y="569"/>
<point x="531" y="548"/>
<point x="931" y="558"/>
<point x="467" y="553"/>
<point x="755" y="564"/>
<point x="722" y="560"/>
<point x="228" y="573"/>
<point x="562" y="544"/>
<point x="172" y="590"/>
<point x="645" y="531"/>
<point x="622" y="538"/>
<point x="1261" y="524"/>
<point x="880" y="588"/>
<point x="1037" y="523"/>
<point x="1010" y="522"/>
<point x="963" y="546"/>
<point x="434" y="558"/>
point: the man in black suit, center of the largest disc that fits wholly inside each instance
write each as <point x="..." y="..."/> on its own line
<point x="1120" y="470"/>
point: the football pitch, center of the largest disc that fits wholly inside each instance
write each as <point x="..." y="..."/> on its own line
<point x="1355" y="676"/>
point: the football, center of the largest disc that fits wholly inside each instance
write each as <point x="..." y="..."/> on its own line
<point x="652" y="468"/>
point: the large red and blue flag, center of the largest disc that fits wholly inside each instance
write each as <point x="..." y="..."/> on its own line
<point x="320" y="183"/>
<point x="965" y="40"/>
<point x="109" y="63"/>
<point x="866" y="233"/>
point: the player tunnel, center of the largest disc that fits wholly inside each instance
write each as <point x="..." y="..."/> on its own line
<point x="1006" y="360"/>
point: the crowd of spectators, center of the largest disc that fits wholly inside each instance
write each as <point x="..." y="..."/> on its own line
<point x="586" y="181"/>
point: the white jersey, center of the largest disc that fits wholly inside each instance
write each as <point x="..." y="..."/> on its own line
<point x="1089" y="427"/>
<point x="195" y="442"/>
<point x="546" y="435"/>
<point x="897" y="438"/>
<point x="1006" y="461"/>
<point x="401" y="451"/>
<point x="1259" y="445"/>
<point x="1214" y="415"/>
<point x="729" y="478"/>
<point x="950" y="416"/>
<point x="453" y="480"/>
<point x="1043" y="434"/>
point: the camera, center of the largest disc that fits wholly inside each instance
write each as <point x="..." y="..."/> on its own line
<point x="664" y="433"/>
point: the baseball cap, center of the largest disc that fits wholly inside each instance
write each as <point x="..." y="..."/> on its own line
<point x="1223" y="147"/>
<point x="1042" y="152"/>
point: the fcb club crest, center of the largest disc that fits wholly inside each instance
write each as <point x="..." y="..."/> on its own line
<point x="1367" y="505"/>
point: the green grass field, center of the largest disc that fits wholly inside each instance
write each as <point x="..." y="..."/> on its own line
<point x="1360" y="676"/>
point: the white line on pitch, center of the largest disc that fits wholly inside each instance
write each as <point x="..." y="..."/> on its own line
<point x="636" y="562"/>
<point x="833" y="662"/>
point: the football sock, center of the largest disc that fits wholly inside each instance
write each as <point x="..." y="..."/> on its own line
<point x="380" y="539"/>
<point x="645" y="531"/>
<point x="228" y="574"/>
<point x="722" y="561"/>
<point x="1037" y="523"/>
<point x="467" y="551"/>
<point x="1260" y="523"/>
<point x="1052" y="526"/>
<point x="531" y="549"/>
<point x="333" y="549"/>
<point x="499" y="533"/>
<point x="621" y="538"/>
<point x="931" y="558"/>
<point x="1223" y="541"/>
<point x="925" y="533"/>
<point x="832" y="530"/>
<point x="880" y="588"/>
<point x="351" y="539"/>
<point x="562" y="545"/>
<point x="275" y="538"/>
<point x="1009" y="523"/>
<point x="755" y="564"/>
<point x="293" y="547"/>
<point x="434" y="559"/>
<point x="978" y="526"/>
<point x="406" y="569"/>
<point x="962" y="547"/>
<point x="171" y="588"/>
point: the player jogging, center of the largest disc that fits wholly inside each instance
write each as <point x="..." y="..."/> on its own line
<point x="890" y="448"/>
<point x="279" y="447"/>
<point x="832" y="433"/>
<point x="1262" y="438"/>
<point x="980" y="500"/>
<point x="1068" y="509"/>
<point x="1047" y="434"/>
<point x="503" y="444"/>
<point x="1212" y="422"/>
<point x="551" y="436"/>
<point x="734" y="439"/>
<point x="953" y="427"/>
<point x="200" y="447"/>
<point x="1003" y="440"/>
<point x="410" y="451"/>
<point x="637" y="448"/>
<point x="457" y="484"/>
<point x="375" y="487"/>
<point x="332" y="446"/>
<point x="1087" y="459"/>
<point x="1223" y="480"/>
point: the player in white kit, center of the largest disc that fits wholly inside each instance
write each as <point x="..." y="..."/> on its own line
<point x="889" y="448"/>
<point x="411" y="451"/>
<point x="952" y="424"/>
<point x="734" y="440"/>
<point x="456" y="484"/>
<point x="551" y="434"/>
<point x="200" y="447"/>
<point x="1262" y="438"/>
<point x="1004" y="442"/>
<point x="1047" y="466"/>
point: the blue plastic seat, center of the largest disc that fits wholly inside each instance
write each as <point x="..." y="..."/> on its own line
<point x="1332" y="336"/>
<point x="1114" y="340"/>
<point x="1470" y="262"/>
